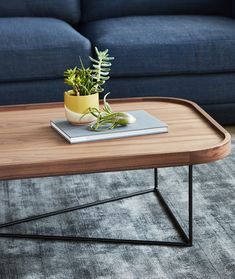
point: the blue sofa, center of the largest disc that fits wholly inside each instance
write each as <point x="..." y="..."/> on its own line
<point x="178" y="48"/>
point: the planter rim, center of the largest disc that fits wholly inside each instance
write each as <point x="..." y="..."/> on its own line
<point x="68" y="94"/>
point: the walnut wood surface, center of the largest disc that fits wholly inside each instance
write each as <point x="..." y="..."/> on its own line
<point x="30" y="148"/>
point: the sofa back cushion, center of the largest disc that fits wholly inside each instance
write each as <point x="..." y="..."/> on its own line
<point x="100" y="9"/>
<point x="68" y="10"/>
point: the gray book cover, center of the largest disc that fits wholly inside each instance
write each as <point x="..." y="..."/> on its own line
<point x="145" y="124"/>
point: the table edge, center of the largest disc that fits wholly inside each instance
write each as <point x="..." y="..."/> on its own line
<point x="214" y="153"/>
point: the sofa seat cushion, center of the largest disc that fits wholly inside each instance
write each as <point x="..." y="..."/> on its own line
<point x="161" y="45"/>
<point x="38" y="48"/>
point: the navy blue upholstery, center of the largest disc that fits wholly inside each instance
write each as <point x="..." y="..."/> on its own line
<point x="68" y="10"/>
<point x="100" y="9"/>
<point x="27" y="92"/>
<point x="178" y="48"/>
<point x="223" y="113"/>
<point x="39" y="48"/>
<point x="212" y="89"/>
<point x="214" y="92"/>
<point x="158" y="45"/>
<point x="207" y="89"/>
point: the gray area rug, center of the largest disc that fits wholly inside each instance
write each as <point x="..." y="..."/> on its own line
<point x="212" y="256"/>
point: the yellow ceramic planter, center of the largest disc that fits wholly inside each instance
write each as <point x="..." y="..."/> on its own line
<point x="76" y="106"/>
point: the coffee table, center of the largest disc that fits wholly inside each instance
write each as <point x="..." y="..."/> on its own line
<point x="30" y="148"/>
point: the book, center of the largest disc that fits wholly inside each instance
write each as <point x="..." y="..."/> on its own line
<point x="145" y="124"/>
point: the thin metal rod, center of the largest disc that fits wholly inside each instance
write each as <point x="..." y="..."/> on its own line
<point x="61" y="211"/>
<point x="172" y="216"/>
<point x="190" y="204"/>
<point x="155" y="178"/>
<point x="187" y="240"/>
<point x="94" y="239"/>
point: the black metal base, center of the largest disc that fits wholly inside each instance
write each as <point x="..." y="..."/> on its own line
<point x="186" y="238"/>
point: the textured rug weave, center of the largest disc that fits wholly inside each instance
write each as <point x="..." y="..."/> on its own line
<point x="212" y="256"/>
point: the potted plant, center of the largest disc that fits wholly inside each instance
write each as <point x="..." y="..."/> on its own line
<point x="87" y="84"/>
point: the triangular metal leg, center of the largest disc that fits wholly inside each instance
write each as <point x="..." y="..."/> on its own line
<point x="186" y="238"/>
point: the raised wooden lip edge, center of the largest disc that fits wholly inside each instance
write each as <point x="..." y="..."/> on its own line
<point x="213" y="123"/>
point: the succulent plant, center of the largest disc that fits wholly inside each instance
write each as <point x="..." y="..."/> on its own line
<point x="87" y="81"/>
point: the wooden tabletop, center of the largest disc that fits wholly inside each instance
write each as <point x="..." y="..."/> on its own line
<point x="30" y="148"/>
